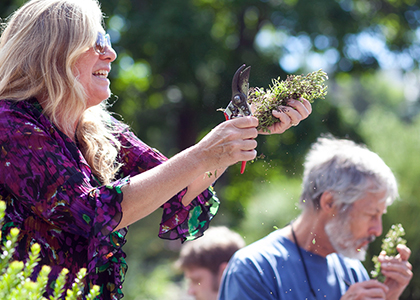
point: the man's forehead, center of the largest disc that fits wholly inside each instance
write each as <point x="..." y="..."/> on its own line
<point x="372" y="202"/>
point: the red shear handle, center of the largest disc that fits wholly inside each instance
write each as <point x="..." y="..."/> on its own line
<point x="244" y="162"/>
<point x="243" y="167"/>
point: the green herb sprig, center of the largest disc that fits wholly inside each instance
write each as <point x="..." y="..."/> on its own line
<point x="310" y="87"/>
<point x="389" y="245"/>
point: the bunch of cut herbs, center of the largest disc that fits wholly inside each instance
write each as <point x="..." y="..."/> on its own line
<point x="393" y="238"/>
<point x="310" y="87"/>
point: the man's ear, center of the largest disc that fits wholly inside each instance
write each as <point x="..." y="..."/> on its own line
<point x="222" y="268"/>
<point x="327" y="203"/>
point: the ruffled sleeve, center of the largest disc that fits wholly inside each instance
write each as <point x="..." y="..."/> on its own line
<point x="178" y="221"/>
<point x="107" y="260"/>
<point x="188" y="222"/>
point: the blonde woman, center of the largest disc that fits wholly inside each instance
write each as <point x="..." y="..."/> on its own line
<point x="73" y="177"/>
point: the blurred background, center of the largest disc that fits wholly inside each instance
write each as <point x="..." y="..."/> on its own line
<point x="176" y="59"/>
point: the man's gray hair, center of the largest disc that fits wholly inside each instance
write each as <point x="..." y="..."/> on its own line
<point x="347" y="170"/>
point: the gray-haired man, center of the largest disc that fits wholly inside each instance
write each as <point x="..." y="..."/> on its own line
<point x="346" y="190"/>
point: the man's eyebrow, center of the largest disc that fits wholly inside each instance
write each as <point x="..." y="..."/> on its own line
<point x="375" y="211"/>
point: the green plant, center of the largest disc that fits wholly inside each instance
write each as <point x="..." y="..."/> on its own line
<point x="308" y="86"/>
<point x="15" y="282"/>
<point x="389" y="246"/>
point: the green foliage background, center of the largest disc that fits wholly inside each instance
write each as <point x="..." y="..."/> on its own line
<point x="174" y="70"/>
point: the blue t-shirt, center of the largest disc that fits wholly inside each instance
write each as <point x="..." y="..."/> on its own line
<point x="271" y="268"/>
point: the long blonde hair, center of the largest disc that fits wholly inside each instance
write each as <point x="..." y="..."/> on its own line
<point x="39" y="47"/>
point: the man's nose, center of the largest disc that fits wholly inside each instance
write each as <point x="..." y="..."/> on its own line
<point x="376" y="228"/>
<point x="191" y="289"/>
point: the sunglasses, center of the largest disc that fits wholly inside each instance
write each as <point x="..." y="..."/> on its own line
<point x="102" y="42"/>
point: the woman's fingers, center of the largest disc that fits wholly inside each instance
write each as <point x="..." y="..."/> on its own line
<point x="306" y="104"/>
<point x="244" y="122"/>
<point x="230" y="142"/>
<point x="301" y="109"/>
<point x="291" y="115"/>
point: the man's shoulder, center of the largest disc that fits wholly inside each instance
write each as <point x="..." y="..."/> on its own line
<point x="273" y="245"/>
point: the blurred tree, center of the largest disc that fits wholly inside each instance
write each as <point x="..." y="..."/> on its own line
<point x="174" y="70"/>
<point x="7" y="7"/>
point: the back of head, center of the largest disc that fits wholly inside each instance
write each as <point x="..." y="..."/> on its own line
<point x="345" y="169"/>
<point x="215" y="247"/>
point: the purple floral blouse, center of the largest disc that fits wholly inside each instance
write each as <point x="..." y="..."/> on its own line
<point x="55" y="201"/>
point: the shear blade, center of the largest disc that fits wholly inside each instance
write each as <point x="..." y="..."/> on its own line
<point x="240" y="82"/>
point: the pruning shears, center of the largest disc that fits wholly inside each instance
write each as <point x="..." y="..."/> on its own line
<point x="238" y="106"/>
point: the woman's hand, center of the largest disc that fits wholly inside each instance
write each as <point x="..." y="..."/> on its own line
<point x="228" y="143"/>
<point x="289" y="116"/>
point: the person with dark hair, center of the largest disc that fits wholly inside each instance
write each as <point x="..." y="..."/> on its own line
<point x="346" y="190"/>
<point x="74" y="177"/>
<point x="204" y="260"/>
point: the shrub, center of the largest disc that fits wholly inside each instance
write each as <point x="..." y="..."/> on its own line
<point x="15" y="276"/>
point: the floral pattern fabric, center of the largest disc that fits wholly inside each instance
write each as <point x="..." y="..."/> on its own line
<point x="55" y="201"/>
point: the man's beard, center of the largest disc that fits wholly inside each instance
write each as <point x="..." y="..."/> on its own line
<point x="342" y="239"/>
